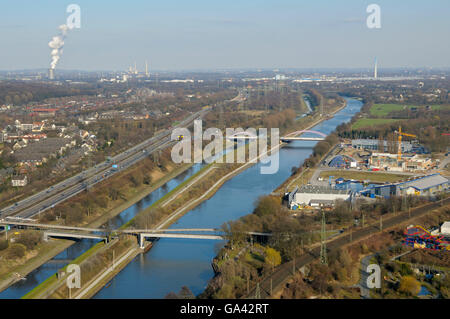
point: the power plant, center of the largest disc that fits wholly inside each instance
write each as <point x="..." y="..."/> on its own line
<point x="133" y="71"/>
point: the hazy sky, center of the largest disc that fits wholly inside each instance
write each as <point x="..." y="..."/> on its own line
<point x="210" y="34"/>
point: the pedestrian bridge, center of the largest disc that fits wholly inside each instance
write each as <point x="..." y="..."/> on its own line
<point x="296" y="136"/>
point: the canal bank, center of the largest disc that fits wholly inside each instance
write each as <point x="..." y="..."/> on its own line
<point x="173" y="263"/>
<point x="39" y="270"/>
<point x="117" y="222"/>
<point x="193" y="203"/>
<point x="52" y="283"/>
<point x="52" y="287"/>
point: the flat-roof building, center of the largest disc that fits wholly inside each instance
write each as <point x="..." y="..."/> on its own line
<point x="445" y="229"/>
<point x="421" y="186"/>
<point x="316" y="196"/>
<point x="374" y="145"/>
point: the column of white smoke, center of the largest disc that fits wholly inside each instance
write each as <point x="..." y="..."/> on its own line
<point x="57" y="44"/>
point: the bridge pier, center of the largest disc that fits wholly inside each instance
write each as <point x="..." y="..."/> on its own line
<point x="141" y="241"/>
<point x="75" y="236"/>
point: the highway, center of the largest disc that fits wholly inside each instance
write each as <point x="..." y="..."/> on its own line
<point x="58" y="193"/>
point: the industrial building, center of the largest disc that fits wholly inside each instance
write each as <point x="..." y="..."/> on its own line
<point x="445" y="229"/>
<point x="423" y="186"/>
<point x="316" y="197"/>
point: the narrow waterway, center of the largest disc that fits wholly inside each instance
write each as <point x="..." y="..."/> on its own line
<point x="173" y="263"/>
<point x="50" y="268"/>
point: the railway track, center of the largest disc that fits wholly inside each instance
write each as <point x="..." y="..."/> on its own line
<point x="284" y="272"/>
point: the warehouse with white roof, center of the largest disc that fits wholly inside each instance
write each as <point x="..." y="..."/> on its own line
<point x="445" y="229"/>
<point x="422" y="186"/>
<point x="427" y="185"/>
<point x="316" y="197"/>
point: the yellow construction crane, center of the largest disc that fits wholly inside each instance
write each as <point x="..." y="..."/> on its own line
<point x="400" y="134"/>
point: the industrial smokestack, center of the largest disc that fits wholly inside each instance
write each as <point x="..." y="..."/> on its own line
<point x="51" y="74"/>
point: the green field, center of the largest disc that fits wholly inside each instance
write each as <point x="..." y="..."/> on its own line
<point x="382" y="110"/>
<point x="365" y="122"/>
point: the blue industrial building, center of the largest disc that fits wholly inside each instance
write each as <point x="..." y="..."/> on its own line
<point x="423" y="186"/>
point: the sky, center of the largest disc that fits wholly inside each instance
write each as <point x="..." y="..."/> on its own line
<point x="226" y="34"/>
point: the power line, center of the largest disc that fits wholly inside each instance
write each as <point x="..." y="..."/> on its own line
<point x="323" y="245"/>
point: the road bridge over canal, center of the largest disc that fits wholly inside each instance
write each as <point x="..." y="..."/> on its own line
<point x="294" y="136"/>
<point x="58" y="231"/>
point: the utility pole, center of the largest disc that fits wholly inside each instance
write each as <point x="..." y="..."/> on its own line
<point x="221" y="122"/>
<point x="271" y="286"/>
<point x="381" y="223"/>
<point x="323" y="246"/>
<point x="293" y="266"/>
<point x="363" y="219"/>
<point x="405" y="204"/>
<point x="257" y="292"/>
<point x="321" y="105"/>
<point x="248" y="281"/>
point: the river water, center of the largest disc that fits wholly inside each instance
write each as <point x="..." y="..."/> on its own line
<point x="50" y="268"/>
<point x="173" y="263"/>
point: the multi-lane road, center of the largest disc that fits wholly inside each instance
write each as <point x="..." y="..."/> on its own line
<point x="48" y="198"/>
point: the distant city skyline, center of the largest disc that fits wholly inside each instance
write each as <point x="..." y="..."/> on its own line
<point x="201" y="35"/>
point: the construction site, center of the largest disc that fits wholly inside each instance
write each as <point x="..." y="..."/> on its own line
<point x="398" y="155"/>
<point x="373" y="168"/>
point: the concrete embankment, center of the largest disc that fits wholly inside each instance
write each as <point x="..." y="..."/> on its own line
<point x="180" y="212"/>
<point x="104" y="278"/>
<point x="195" y="202"/>
<point x="59" y="246"/>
